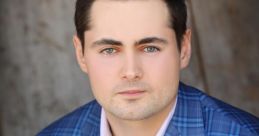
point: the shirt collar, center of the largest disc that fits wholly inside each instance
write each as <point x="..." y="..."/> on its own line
<point x="105" y="129"/>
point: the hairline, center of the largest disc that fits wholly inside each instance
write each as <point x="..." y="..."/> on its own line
<point x="171" y="22"/>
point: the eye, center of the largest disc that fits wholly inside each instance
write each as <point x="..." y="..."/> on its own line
<point x="151" y="49"/>
<point x="108" y="51"/>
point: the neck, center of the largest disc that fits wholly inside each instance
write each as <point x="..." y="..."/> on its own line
<point x="145" y="127"/>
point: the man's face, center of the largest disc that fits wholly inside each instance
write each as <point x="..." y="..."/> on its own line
<point x="131" y="57"/>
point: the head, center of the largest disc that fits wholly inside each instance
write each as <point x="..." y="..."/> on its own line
<point x="133" y="52"/>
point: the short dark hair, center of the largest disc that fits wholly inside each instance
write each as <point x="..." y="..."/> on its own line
<point x="177" y="10"/>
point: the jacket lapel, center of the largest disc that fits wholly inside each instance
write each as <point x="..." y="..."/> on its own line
<point x="92" y="123"/>
<point x="187" y="119"/>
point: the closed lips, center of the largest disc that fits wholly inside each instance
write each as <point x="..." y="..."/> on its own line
<point x="132" y="92"/>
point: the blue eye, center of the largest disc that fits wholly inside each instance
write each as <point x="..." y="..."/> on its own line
<point x="108" y="51"/>
<point x="151" y="49"/>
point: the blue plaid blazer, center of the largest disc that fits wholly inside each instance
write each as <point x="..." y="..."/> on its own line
<point x="196" y="114"/>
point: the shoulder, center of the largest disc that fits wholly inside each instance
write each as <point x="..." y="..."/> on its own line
<point x="221" y="118"/>
<point x="220" y="114"/>
<point x="72" y="123"/>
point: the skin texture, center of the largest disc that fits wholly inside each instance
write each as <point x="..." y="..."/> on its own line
<point x="133" y="63"/>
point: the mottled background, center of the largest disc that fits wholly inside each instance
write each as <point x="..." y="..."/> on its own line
<point x="40" y="79"/>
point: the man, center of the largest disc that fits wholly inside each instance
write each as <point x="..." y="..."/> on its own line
<point x="133" y="52"/>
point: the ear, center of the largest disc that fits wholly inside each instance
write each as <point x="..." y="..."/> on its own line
<point x="79" y="53"/>
<point x="186" y="49"/>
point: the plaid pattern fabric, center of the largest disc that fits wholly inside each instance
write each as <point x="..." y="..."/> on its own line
<point x="196" y="114"/>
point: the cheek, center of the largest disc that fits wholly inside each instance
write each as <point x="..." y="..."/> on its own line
<point x="102" y="73"/>
<point x="163" y="70"/>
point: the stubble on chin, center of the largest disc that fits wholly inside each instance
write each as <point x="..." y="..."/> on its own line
<point x="138" y="109"/>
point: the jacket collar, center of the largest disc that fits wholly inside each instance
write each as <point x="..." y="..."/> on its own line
<point x="188" y="118"/>
<point x="92" y="120"/>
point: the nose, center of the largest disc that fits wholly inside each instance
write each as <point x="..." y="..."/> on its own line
<point x="131" y="70"/>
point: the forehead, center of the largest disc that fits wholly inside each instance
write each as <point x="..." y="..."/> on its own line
<point x="128" y="16"/>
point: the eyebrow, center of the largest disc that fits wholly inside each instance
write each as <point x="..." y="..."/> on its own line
<point x="147" y="40"/>
<point x="106" y="41"/>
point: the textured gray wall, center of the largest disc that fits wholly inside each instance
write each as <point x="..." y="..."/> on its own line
<point x="40" y="79"/>
<point x="227" y="33"/>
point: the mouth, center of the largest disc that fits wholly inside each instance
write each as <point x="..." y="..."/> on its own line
<point x="132" y="94"/>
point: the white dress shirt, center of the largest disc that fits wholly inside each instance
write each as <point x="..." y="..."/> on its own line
<point x="105" y="129"/>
